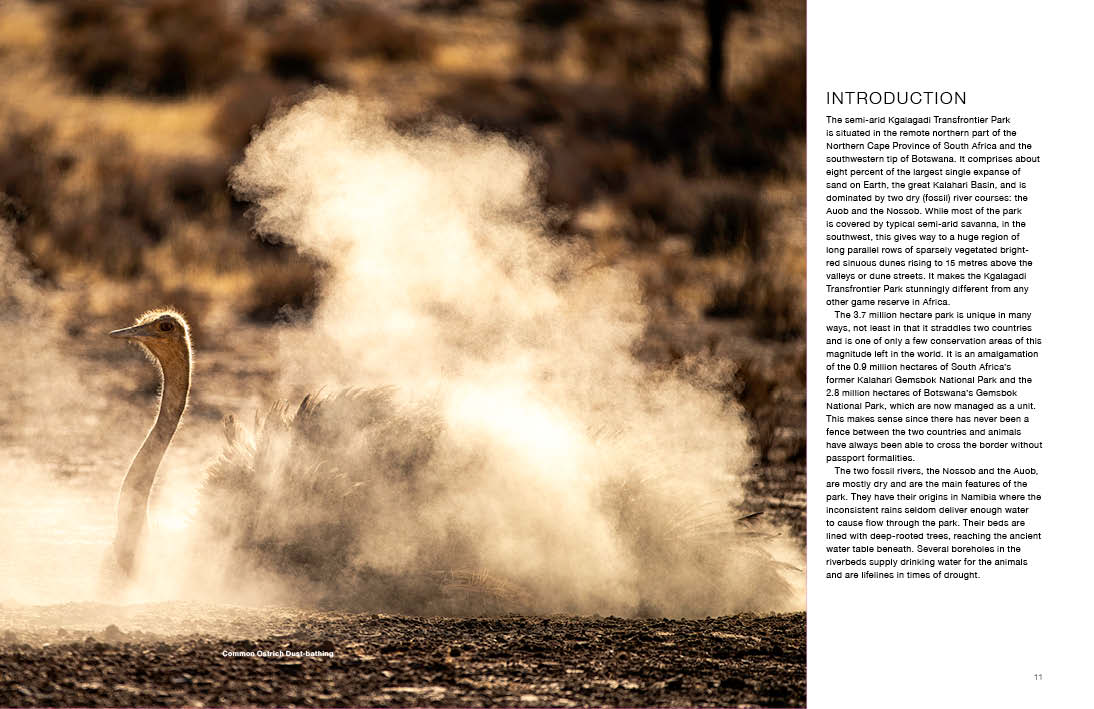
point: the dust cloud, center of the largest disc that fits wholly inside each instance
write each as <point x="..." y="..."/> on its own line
<point x="504" y="451"/>
<point x="50" y="522"/>
<point x="527" y="445"/>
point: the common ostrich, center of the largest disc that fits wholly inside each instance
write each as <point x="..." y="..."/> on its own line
<point x="289" y="500"/>
<point x="301" y="500"/>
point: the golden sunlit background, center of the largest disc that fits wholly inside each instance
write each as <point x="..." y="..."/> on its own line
<point x="122" y="119"/>
<point x="649" y="154"/>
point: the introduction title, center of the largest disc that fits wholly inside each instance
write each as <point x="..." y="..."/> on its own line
<point x="896" y="97"/>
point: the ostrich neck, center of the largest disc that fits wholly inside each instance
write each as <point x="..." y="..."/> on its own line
<point x="133" y="498"/>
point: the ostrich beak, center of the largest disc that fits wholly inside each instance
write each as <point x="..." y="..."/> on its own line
<point x="132" y="333"/>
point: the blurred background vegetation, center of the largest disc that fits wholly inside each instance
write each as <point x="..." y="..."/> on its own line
<point x="672" y="133"/>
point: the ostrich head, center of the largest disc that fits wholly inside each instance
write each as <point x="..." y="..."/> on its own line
<point x="164" y="334"/>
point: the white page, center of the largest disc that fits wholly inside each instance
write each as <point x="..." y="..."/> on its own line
<point x="979" y="642"/>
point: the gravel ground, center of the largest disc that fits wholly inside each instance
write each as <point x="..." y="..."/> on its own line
<point x="377" y="660"/>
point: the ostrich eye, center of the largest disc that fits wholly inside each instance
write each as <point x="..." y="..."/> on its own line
<point x="167" y="326"/>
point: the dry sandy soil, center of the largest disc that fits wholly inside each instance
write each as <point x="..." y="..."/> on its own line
<point x="378" y="660"/>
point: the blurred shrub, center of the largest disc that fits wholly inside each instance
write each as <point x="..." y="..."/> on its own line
<point x="776" y="301"/>
<point x="718" y="216"/>
<point x="259" y="11"/>
<point x="772" y="394"/>
<point x="198" y="189"/>
<point x="165" y="227"/>
<point x="111" y="216"/>
<point x="247" y="104"/>
<point x="363" y="31"/>
<point x="631" y="48"/>
<point x="745" y="136"/>
<point x="512" y="106"/>
<point x="283" y="287"/>
<point x="732" y="215"/>
<point x="96" y="44"/>
<point x="105" y="226"/>
<point x="757" y="392"/>
<point x="160" y="47"/>
<point x="200" y="46"/>
<point x="709" y="138"/>
<point x="299" y="49"/>
<point x="540" y="47"/>
<point x="661" y="202"/>
<point x="26" y="171"/>
<point x="553" y="13"/>
<point x="580" y="170"/>
<point x="772" y="293"/>
<point x="305" y="48"/>
<point x="749" y="133"/>
<point x="447" y="6"/>
<point x="773" y="107"/>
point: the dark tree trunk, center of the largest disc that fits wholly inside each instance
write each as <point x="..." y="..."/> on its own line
<point x="717" y="12"/>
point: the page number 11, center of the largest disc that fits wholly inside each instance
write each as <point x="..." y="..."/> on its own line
<point x="1038" y="676"/>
